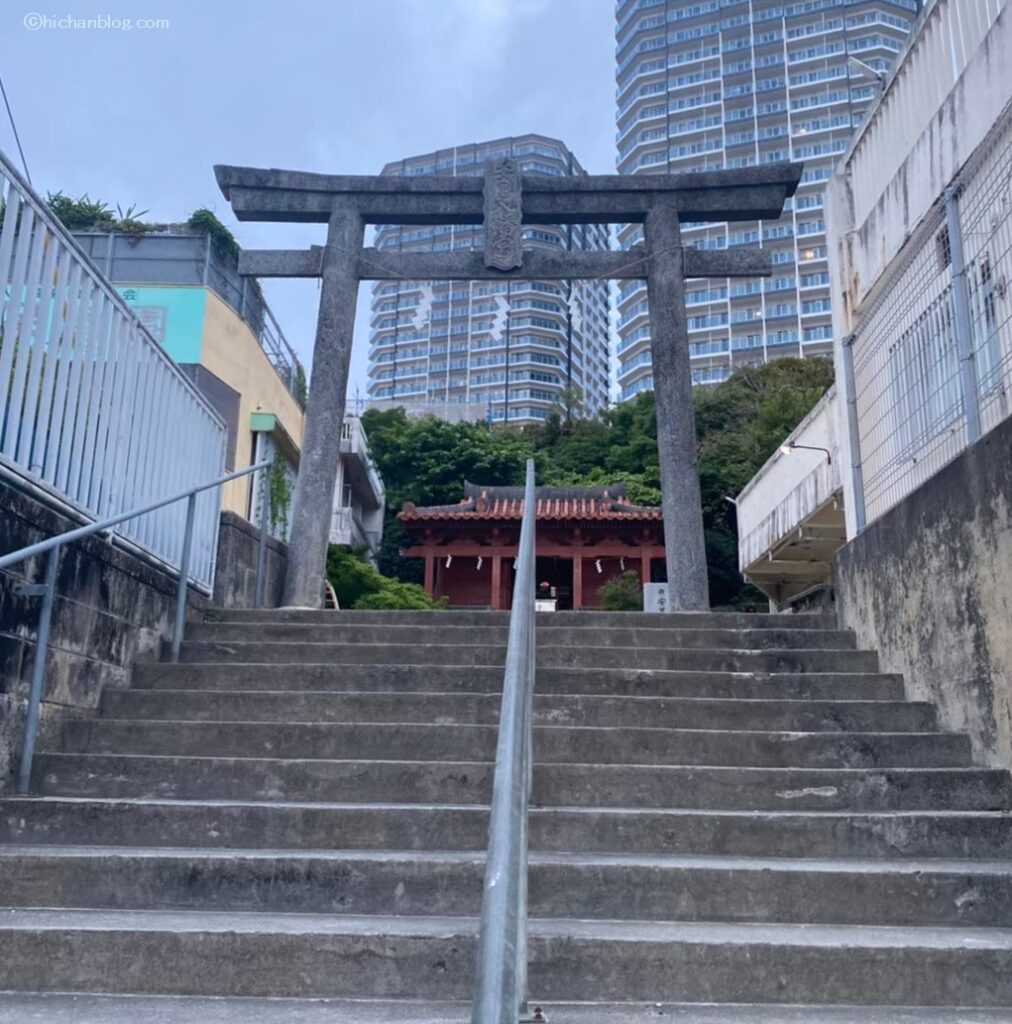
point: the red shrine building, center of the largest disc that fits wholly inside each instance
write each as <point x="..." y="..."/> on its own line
<point x="585" y="536"/>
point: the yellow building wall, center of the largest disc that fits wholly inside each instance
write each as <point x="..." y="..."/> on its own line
<point x="232" y="353"/>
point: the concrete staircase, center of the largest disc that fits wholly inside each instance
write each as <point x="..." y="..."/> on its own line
<point x="737" y="817"/>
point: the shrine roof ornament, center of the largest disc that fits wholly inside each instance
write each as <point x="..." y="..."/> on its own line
<point x="482" y="503"/>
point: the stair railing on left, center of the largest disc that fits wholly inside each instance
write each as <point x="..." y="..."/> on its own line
<point x="501" y="977"/>
<point x="47" y="589"/>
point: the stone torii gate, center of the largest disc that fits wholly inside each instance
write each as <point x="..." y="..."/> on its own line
<point x="505" y="200"/>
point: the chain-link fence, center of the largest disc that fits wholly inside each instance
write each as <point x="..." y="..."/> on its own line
<point x="932" y="353"/>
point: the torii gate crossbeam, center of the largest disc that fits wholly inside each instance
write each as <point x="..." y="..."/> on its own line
<point x="504" y="200"/>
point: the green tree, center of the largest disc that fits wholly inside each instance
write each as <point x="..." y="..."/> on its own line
<point x="427" y="461"/>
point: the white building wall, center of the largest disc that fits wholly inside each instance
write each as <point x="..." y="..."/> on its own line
<point x="949" y="89"/>
<point x="942" y="122"/>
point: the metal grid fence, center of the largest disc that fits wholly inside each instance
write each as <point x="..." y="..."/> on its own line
<point x="986" y="214"/>
<point x="92" y="411"/>
<point x="932" y="355"/>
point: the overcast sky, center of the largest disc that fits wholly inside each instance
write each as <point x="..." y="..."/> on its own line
<point x="139" y="117"/>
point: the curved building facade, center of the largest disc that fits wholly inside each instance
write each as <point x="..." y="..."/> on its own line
<point x="506" y="352"/>
<point x="733" y="83"/>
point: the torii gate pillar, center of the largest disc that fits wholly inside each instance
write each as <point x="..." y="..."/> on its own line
<point x="505" y="200"/>
<point x="313" y="500"/>
<point x="681" y="501"/>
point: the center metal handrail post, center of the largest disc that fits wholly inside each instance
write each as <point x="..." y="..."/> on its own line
<point x="501" y="977"/>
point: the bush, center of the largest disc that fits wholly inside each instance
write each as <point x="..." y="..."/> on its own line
<point x="397" y="595"/>
<point x="622" y="593"/>
<point x="358" y="585"/>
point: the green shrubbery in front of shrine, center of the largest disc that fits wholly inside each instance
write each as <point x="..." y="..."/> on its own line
<point x="623" y="593"/>
<point x="358" y="585"/>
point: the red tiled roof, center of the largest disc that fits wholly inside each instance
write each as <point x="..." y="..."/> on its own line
<point x="485" y="503"/>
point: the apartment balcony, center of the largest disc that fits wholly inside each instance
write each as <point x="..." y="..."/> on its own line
<point x="360" y="470"/>
<point x="346" y="527"/>
<point x="632" y="382"/>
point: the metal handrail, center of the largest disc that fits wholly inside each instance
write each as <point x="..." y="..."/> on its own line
<point x="47" y="589"/>
<point x="501" y="977"/>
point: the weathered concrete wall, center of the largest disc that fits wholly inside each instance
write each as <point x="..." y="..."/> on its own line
<point x="111" y="608"/>
<point x="929" y="585"/>
<point x="235" y="573"/>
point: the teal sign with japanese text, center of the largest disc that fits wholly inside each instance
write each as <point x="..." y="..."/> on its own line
<point x="174" y="316"/>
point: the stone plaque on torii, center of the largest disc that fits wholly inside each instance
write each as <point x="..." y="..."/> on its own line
<point x="504" y="200"/>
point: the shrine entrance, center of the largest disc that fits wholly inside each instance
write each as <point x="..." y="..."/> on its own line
<point x="504" y="200"/>
<point x="557" y="572"/>
<point x="585" y="536"/>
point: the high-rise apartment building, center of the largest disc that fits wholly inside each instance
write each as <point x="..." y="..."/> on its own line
<point x="507" y="352"/>
<point x="732" y="83"/>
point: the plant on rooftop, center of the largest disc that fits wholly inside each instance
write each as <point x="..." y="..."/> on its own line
<point x="82" y="213"/>
<point x="300" y="390"/>
<point x="222" y="240"/>
<point x="130" y="220"/>
<point x="87" y="214"/>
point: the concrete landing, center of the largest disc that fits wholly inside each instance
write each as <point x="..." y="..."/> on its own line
<point x="16" y="1008"/>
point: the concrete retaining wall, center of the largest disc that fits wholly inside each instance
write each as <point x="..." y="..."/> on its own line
<point x="929" y="585"/>
<point x="235" y="577"/>
<point x="111" y="608"/>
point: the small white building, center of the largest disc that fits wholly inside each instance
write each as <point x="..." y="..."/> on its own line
<point x="790" y="514"/>
<point x="359" y="496"/>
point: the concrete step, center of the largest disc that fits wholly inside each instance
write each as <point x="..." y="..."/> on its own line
<point x="587" y="887"/>
<point x="413" y="741"/>
<point x="78" y="1008"/>
<point x="582" y="656"/>
<point x="985" y="835"/>
<point x="340" y="676"/>
<point x="435" y="630"/>
<point x="549" y="709"/>
<point x="484" y="617"/>
<point x="281" y="955"/>
<point x="463" y="782"/>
